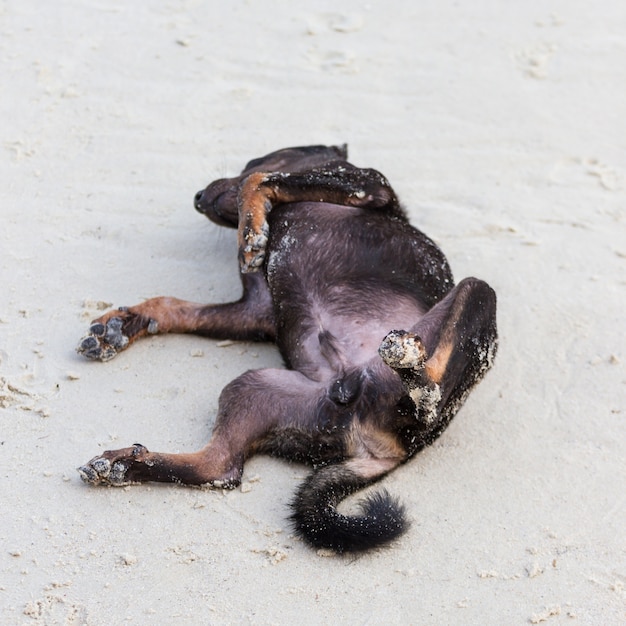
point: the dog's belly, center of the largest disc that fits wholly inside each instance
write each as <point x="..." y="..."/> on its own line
<point x="334" y="343"/>
<point x="338" y="286"/>
<point x="359" y="335"/>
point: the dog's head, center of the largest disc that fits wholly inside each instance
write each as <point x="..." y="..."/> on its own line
<point x="219" y="200"/>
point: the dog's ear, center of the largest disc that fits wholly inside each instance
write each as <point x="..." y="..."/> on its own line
<point x="299" y="159"/>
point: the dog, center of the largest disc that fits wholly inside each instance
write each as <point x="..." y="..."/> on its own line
<point x="380" y="347"/>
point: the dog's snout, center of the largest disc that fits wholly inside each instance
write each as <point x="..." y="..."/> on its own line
<point x="218" y="202"/>
<point x="197" y="200"/>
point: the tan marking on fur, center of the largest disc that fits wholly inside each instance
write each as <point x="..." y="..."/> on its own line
<point x="436" y="366"/>
<point x="371" y="468"/>
<point x="374" y="452"/>
<point x="170" y="315"/>
<point x="381" y="444"/>
<point x="255" y="201"/>
<point x="252" y="197"/>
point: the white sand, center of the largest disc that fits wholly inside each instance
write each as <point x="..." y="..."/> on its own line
<point x="503" y="129"/>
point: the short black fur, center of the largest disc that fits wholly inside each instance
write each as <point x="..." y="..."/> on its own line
<point x="381" y="347"/>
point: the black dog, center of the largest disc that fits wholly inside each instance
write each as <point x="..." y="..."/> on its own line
<point x="381" y="348"/>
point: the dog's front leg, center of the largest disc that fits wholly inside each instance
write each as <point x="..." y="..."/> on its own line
<point x="249" y="319"/>
<point x="337" y="184"/>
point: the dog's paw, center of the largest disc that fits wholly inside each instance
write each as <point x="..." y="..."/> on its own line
<point x="113" y="467"/>
<point x="112" y="333"/>
<point x="403" y="350"/>
<point x="252" y="249"/>
<point x="104" y="340"/>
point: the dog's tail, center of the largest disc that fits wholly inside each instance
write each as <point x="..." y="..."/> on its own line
<point x="317" y="520"/>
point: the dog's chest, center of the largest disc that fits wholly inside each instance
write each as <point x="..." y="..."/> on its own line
<point x="302" y="238"/>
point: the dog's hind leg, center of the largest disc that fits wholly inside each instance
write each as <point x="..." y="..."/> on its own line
<point x="250" y="318"/>
<point x="251" y="408"/>
<point x="444" y="355"/>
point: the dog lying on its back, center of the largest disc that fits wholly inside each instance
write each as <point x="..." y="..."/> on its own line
<point x="381" y="348"/>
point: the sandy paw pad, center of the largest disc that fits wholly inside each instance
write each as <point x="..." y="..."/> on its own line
<point x="400" y="349"/>
<point x="104" y="341"/>
<point x="100" y="471"/>
<point x="114" y="467"/>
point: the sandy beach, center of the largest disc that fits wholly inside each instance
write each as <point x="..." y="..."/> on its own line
<point x="502" y="126"/>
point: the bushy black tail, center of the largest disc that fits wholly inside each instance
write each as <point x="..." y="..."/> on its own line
<point x="317" y="520"/>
